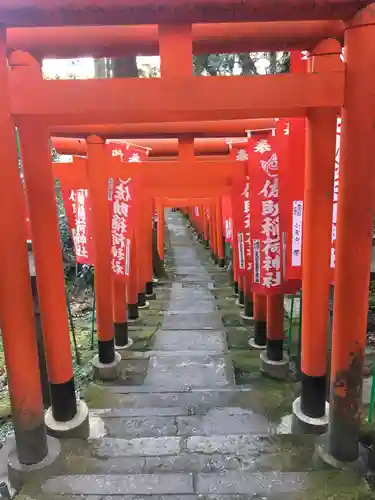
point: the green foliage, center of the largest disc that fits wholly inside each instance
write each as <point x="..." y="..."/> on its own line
<point x="241" y="64"/>
<point x="371" y="298"/>
<point x="65" y="234"/>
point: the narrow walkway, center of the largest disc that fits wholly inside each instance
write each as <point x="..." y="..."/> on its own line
<point x="192" y="331"/>
<point x="189" y="432"/>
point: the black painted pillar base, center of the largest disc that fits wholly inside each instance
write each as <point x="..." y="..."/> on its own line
<point x="221" y="262"/>
<point x="276" y="369"/>
<point x="235" y="287"/>
<point x="275" y="350"/>
<point x="313" y="395"/>
<point x="44" y="382"/>
<point x="31" y="444"/>
<point x="260" y="333"/>
<point x="63" y="401"/>
<point x="141" y="300"/>
<point x="121" y="334"/>
<point x="248" y="306"/>
<point x="241" y="298"/>
<point x="106" y="351"/>
<point x="345" y="405"/>
<point x="149" y="288"/>
<point x="133" y="313"/>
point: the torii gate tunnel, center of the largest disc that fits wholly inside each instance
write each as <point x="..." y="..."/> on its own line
<point x="194" y="169"/>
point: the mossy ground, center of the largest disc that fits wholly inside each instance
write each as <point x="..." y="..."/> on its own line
<point x="272" y="398"/>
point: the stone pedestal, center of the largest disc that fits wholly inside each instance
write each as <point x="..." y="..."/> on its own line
<point x="308" y="425"/>
<point x="106" y="372"/>
<point x="274" y="369"/>
<point x="78" y="427"/>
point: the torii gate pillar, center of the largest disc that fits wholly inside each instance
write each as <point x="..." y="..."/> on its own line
<point x="310" y="411"/>
<point x="354" y="240"/>
<point x="17" y="319"/>
<point x="106" y="363"/>
<point x="65" y="418"/>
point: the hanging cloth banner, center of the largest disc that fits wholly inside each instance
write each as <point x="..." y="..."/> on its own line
<point x="121" y="226"/>
<point x="77" y="208"/>
<point x="291" y="183"/>
<point x="291" y="190"/>
<point x="267" y="155"/>
<point x="121" y="194"/>
<point x="239" y="189"/>
<point x="227" y="218"/>
<point x="247" y="244"/>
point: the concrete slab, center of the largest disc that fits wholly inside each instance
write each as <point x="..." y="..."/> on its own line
<point x="140" y="427"/>
<point x="192" y="322"/>
<point x="189" y="371"/>
<point x="182" y="340"/>
<point x="139" y="484"/>
<point x="225" y="445"/>
<point x="193" y="400"/>
<point x="264" y="484"/>
<point x="138" y="447"/>
<point x="223" y="421"/>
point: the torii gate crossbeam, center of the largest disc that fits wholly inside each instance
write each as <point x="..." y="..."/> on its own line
<point x="91" y="12"/>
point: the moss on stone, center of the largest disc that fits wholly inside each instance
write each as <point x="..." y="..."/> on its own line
<point x="238" y="337"/>
<point x="5" y="407"/>
<point x="97" y="396"/>
<point x="335" y="485"/>
<point x="245" y="361"/>
<point x="231" y="319"/>
<point x="271" y="398"/>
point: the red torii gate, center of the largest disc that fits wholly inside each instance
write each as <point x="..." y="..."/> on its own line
<point x="35" y="105"/>
<point x="103" y="41"/>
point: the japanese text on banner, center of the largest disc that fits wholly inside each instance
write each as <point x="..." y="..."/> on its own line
<point x="335" y="193"/>
<point x="122" y="198"/>
<point x="265" y="222"/>
<point x="121" y="194"/>
<point x="238" y="197"/>
<point x="246" y="225"/>
<point x="77" y="209"/>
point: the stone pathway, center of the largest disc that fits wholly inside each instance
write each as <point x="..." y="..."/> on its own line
<point x="192" y="328"/>
<point x="189" y="431"/>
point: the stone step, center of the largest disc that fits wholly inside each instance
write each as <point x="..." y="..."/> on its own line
<point x="192" y="321"/>
<point x="128" y="354"/>
<point x="217" y="421"/>
<point x="190" y="463"/>
<point x="190" y="340"/>
<point x="195" y="400"/>
<point x="244" y="445"/>
<point x="231" y="485"/>
<point x="189" y="371"/>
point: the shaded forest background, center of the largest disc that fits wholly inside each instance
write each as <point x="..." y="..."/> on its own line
<point x="205" y="64"/>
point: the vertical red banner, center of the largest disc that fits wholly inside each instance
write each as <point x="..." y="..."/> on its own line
<point x="77" y="207"/>
<point x="267" y="155"/>
<point x="122" y="196"/>
<point x="121" y="227"/>
<point x="292" y="177"/>
<point x="227" y="218"/>
<point x="239" y="192"/>
<point x="291" y="191"/>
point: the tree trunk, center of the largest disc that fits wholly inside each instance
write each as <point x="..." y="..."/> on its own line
<point x="273" y="63"/>
<point x="100" y="68"/>
<point x="123" y="67"/>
